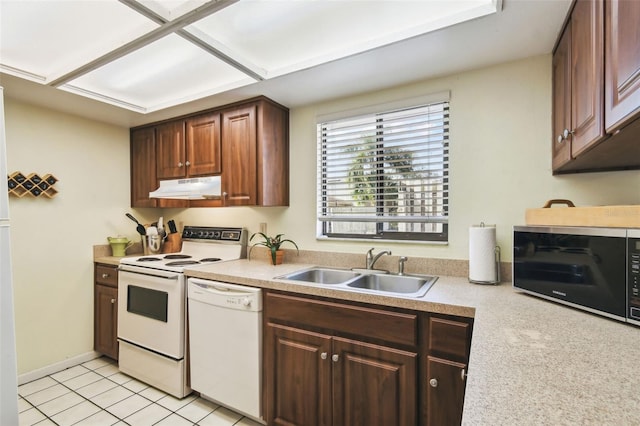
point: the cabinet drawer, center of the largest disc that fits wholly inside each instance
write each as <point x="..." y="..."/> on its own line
<point x="107" y="275"/>
<point x="390" y="326"/>
<point x="448" y="337"/>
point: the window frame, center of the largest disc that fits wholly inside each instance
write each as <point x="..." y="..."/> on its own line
<point x="323" y="222"/>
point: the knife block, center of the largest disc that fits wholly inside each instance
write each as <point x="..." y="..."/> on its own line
<point x="173" y="243"/>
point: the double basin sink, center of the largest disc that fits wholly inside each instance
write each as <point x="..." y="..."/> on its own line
<point x="363" y="280"/>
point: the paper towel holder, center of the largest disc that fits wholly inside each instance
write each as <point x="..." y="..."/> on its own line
<point x="496" y="252"/>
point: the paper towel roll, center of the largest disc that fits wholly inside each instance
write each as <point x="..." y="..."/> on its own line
<point x="482" y="254"/>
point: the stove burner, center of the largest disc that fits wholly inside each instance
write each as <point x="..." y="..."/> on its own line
<point x="182" y="263"/>
<point x="210" y="259"/>
<point x="177" y="256"/>
<point x="148" y="259"/>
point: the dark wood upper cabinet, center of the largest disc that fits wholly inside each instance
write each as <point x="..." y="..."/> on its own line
<point x="203" y="145"/>
<point x="143" y="167"/>
<point x="562" y="100"/>
<point x="239" y="181"/>
<point x="622" y="50"/>
<point x="170" y="151"/>
<point x="596" y="100"/>
<point x="577" y="85"/>
<point x="587" y="71"/>
<point x="246" y="143"/>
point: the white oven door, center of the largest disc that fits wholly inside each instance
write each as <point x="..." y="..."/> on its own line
<point x="151" y="310"/>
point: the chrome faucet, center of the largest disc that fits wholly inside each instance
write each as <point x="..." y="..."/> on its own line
<point x="401" y="264"/>
<point x="371" y="259"/>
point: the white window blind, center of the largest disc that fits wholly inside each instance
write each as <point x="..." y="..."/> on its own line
<point x="385" y="175"/>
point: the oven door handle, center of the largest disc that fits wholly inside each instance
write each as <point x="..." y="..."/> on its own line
<point x="138" y="272"/>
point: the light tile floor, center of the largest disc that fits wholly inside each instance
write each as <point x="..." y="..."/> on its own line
<point x="96" y="393"/>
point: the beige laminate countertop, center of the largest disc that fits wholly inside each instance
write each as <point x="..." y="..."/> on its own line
<point x="532" y="362"/>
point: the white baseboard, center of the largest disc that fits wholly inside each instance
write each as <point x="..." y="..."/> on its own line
<point x="58" y="366"/>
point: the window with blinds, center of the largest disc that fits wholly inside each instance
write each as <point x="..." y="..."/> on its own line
<point x="385" y="175"/>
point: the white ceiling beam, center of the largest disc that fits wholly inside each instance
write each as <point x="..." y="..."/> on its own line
<point x="144" y="40"/>
<point x="209" y="45"/>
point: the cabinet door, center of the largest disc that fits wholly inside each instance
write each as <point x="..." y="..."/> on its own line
<point x="170" y="150"/>
<point x="587" y="75"/>
<point x="561" y="146"/>
<point x="203" y="145"/>
<point x="622" y="82"/>
<point x="143" y="167"/>
<point x="239" y="180"/>
<point x="373" y="385"/>
<point x="105" y="339"/>
<point x="297" y="368"/>
<point x="445" y="392"/>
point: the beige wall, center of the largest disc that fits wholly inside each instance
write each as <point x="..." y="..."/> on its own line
<point x="52" y="238"/>
<point x="500" y="165"/>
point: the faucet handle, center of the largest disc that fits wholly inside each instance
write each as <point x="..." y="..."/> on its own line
<point x="401" y="261"/>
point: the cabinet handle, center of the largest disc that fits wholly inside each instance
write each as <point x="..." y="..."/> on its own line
<point x="567" y="132"/>
<point x="187" y="163"/>
<point x="180" y="164"/>
<point x="335" y="357"/>
<point x="105" y="276"/>
<point x="113" y="301"/>
<point x="323" y="355"/>
<point x="433" y="383"/>
<point x="463" y="374"/>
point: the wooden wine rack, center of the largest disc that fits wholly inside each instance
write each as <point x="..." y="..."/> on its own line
<point x="33" y="185"/>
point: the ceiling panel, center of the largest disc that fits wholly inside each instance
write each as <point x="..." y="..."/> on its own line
<point x="50" y="38"/>
<point x="286" y="36"/>
<point x="168" y="71"/>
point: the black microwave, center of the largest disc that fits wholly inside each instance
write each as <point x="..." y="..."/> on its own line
<point x="594" y="269"/>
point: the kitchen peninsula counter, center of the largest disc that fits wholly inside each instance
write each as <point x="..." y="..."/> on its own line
<point x="532" y="362"/>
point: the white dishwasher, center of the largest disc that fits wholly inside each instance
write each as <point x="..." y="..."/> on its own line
<point x="225" y="344"/>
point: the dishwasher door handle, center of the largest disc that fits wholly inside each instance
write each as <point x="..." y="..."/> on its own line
<point x="219" y="289"/>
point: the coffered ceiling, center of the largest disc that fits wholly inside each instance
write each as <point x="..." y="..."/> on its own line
<point x="148" y="57"/>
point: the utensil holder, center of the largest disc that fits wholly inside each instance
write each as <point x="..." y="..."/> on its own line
<point x="172" y="243"/>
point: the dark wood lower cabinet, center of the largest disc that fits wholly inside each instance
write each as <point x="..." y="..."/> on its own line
<point x="373" y="385"/>
<point x="329" y="362"/>
<point x="445" y="391"/>
<point x="318" y="379"/>
<point x="105" y="310"/>
<point x="298" y="379"/>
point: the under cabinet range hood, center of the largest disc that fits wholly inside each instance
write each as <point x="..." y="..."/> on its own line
<point x="189" y="189"/>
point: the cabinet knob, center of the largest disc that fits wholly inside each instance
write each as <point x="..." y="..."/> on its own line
<point x="560" y="139"/>
<point x="180" y="164"/>
<point x="463" y="374"/>
<point x="187" y="163"/>
<point x="567" y="132"/>
<point x="113" y="301"/>
<point x="335" y="357"/>
<point x="105" y="276"/>
<point x="323" y="355"/>
<point x="433" y="383"/>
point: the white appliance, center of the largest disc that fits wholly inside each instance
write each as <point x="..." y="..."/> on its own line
<point x="225" y="344"/>
<point x="152" y="306"/>
<point x="8" y="369"/>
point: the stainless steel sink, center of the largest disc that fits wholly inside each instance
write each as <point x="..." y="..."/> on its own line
<point x="321" y="276"/>
<point x="388" y="284"/>
<point x="406" y="285"/>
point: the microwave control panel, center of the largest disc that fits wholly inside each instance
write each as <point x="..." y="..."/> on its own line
<point x="634" y="278"/>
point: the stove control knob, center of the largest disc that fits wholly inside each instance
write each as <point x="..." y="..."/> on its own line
<point x="246" y="302"/>
<point x="216" y="234"/>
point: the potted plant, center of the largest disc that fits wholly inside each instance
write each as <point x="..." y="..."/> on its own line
<point x="273" y="244"/>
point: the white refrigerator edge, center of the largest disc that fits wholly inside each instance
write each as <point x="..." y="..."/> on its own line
<point x="8" y="367"/>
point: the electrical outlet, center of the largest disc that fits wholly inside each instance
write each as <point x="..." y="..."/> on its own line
<point x="263" y="227"/>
